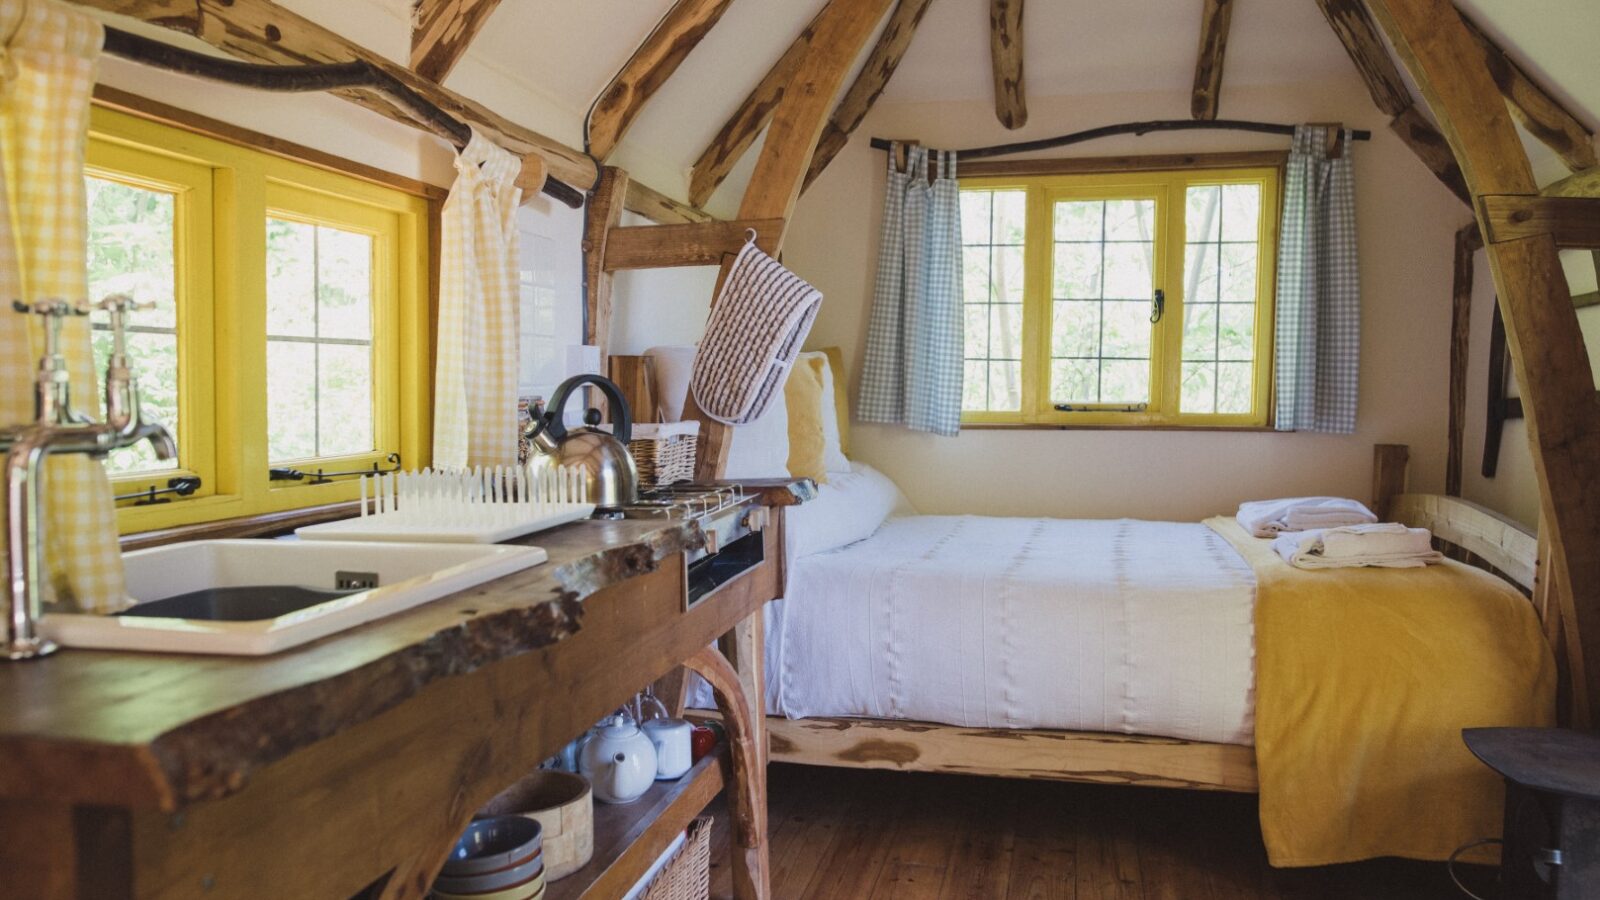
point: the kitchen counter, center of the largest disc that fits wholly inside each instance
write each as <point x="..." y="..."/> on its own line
<point x="406" y="724"/>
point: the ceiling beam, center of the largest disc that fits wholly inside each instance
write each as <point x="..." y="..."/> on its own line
<point x="1005" y="52"/>
<point x="1359" y="35"/>
<point x="262" y="31"/>
<point x="1214" y="21"/>
<point x="661" y="209"/>
<point x="1547" y="350"/>
<point x="1572" y="222"/>
<point x="648" y="69"/>
<point x="858" y="99"/>
<point x="441" y="31"/>
<point x="740" y="131"/>
<point x="1540" y="114"/>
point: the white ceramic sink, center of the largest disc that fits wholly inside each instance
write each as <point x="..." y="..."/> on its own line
<point x="373" y="580"/>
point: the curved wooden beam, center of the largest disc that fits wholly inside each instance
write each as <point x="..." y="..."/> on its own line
<point x="747" y="789"/>
<point x="1005" y="52"/>
<point x="441" y="30"/>
<point x="1351" y="22"/>
<point x="1214" y="21"/>
<point x="741" y="130"/>
<point x="1540" y="114"/>
<point x="648" y="69"/>
<point x="875" y="74"/>
<point x="1557" y="382"/>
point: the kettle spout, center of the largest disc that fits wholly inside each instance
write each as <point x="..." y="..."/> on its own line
<point x="615" y="775"/>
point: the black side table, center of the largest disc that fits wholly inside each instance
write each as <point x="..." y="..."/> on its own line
<point x="1552" y="822"/>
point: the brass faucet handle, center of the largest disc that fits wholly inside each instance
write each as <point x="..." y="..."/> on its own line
<point x="116" y="307"/>
<point x="123" y="303"/>
<point x="55" y="308"/>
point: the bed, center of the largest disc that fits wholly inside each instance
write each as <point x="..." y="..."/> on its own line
<point x="1124" y="651"/>
<point x="1157" y="654"/>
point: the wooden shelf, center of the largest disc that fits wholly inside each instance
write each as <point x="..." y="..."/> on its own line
<point x="629" y="839"/>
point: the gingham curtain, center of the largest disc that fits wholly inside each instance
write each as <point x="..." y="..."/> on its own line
<point x="475" y="379"/>
<point x="912" y="371"/>
<point x="1319" y="290"/>
<point x="45" y="81"/>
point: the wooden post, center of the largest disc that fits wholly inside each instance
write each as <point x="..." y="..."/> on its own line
<point x="605" y="213"/>
<point x="1467" y="243"/>
<point x="747" y="790"/>
<point x="442" y="31"/>
<point x="1388" y="476"/>
<point x="1547" y="350"/>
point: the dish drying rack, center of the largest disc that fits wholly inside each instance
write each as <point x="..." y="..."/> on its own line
<point x="483" y="505"/>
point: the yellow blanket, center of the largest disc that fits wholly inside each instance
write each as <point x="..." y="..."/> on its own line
<point x="1364" y="680"/>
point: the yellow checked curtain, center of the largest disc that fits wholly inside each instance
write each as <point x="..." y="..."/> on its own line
<point x="46" y="77"/>
<point x="475" y="385"/>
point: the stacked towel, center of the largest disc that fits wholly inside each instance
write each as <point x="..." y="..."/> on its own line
<point x="1269" y="518"/>
<point x="1388" y="545"/>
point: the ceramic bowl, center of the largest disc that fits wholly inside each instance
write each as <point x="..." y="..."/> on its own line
<point x="489" y="845"/>
<point x="523" y="873"/>
<point x="533" y="890"/>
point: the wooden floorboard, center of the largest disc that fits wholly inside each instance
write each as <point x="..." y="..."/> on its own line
<point x="882" y="835"/>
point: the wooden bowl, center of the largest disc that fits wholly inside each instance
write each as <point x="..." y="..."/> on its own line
<point x="563" y="804"/>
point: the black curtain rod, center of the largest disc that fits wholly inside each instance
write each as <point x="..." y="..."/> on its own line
<point x="1136" y="128"/>
<point x="316" y="77"/>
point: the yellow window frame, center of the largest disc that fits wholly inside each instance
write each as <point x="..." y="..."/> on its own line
<point x="1169" y="189"/>
<point x="229" y="191"/>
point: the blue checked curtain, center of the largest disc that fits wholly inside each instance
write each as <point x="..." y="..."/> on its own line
<point x="1319" y="290"/>
<point x="912" y="372"/>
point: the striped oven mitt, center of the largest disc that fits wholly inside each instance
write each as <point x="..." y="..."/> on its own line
<point x="757" y="326"/>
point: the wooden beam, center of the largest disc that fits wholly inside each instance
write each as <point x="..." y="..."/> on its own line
<point x="658" y="207"/>
<point x="1580" y="301"/>
<point x="1468" y="243"/>
<point x="1542" y="115"/>
<point x="1573" y="222"/>
<point x="835" y="36"/>
<point x="741" y="130"/>
<point x="702" y="244"/>
<point x="875" y="74"/>
<point x="441" y="30"/>
<point x="1578" y="184"/>
<point x="1215" y="17"/>
<point x="605" y="211"/>
<point x="1362" y="42"/>
<point x="263" y="31"/>
<point x="1359" y="35"/>
<point x="1005" y="53"/>
<point x="1547" y="350"/>
<point x="679" y="32"/>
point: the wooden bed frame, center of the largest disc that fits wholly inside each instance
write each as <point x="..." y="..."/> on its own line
<point x="1467" y="531"/>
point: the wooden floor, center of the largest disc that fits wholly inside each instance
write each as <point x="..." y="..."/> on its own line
<point x="862" y="835"/>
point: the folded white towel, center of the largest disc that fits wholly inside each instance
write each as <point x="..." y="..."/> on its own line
<point x="1269" y="518"/>
<point x="1387" y="545"/>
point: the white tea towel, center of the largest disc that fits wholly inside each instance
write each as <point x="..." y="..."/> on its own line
<point x="1387" y="545"/>
<point x="1268" y="518"/>
<point x="757" y="326"/>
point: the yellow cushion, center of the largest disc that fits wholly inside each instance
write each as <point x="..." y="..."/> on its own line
<point x="802" y="394"/>
<point x="841" y="395"/>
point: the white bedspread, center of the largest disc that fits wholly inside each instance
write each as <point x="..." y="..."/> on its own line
<point x="1098" y="625"/>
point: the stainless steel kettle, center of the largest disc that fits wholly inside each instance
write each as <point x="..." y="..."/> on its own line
<point x="612" y="477"/>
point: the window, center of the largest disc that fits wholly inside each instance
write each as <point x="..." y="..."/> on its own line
<point x="288" y="319"/>
<point x="1140" y="298"/>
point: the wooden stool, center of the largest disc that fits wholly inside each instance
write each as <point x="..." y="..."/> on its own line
<point x="1552" y="820"/>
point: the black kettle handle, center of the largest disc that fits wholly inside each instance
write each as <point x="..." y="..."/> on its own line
<point x="621" y="416"/>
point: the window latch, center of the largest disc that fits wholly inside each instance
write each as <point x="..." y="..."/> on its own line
<point x="1158" y="305"/>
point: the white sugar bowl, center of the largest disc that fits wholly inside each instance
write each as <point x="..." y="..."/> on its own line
<point x="671" y="738"/>
<point x="619" y="760"/>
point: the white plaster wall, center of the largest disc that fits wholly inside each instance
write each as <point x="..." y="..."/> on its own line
<point x="1407" y="226"/>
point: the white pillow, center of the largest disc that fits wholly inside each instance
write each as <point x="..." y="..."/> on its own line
<point x="833" y="458"/>
<point x="761" y="448"/>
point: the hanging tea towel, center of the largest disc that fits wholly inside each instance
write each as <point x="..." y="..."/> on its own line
<point x="759" y="322"/>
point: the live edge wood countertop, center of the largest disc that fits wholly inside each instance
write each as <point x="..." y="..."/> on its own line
<point x="161" y="731"/>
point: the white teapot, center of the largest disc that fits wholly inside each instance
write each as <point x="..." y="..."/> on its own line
<point x="619" y="760"/>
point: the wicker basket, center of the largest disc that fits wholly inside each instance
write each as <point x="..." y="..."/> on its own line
<point x="687" y="876"/>
<point x="664" y="453"/>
